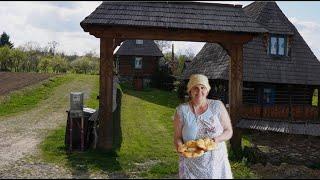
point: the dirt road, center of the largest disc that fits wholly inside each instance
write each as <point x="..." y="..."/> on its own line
<point x="21" y="134"/>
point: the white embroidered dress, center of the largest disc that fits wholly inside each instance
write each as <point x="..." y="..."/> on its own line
<point x="213" y="164"/>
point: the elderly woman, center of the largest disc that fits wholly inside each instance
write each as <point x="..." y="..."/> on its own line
<point x="201" y="118"/>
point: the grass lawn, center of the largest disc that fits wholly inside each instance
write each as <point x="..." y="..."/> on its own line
<point x="147" y="140"/>
<point x="315" y="97"/>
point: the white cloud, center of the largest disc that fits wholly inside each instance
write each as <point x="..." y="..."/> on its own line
<point x="58" y="21"/>
<point x="310" y="32"/>
<point x="43" y="22"/>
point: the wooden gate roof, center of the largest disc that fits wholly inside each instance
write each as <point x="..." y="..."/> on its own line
<point x="114" y="22"/>
<point x="182" y="15"/>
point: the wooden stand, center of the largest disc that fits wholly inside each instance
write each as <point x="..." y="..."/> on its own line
<point x="82" y="134"/>
<point x="71" y="131"/>
<point x="70" y="135"/>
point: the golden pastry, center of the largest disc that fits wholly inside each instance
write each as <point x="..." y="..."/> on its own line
<point x="201" y="144"/>
<point x="210" y="144"/>
<point x="182" y="148"/>
<point x="196" y="148"/>
<point x="191" y="144"/>
<point x="198" y="153"/>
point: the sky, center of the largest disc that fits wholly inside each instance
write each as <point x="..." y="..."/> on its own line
<point x="41" y="22"/>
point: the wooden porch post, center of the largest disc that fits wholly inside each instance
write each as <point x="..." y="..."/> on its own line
<point x="105" y="140"/>
<point x="290" y="115"/>
<point x="235" y="92"/>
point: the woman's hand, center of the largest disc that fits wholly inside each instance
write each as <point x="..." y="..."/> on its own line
<point x="179" y="146"/>
<point x="216" y="140"/>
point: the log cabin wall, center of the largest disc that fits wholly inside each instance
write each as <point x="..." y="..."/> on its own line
<point x="127" y="65"/>
<point x="290" y="103"/>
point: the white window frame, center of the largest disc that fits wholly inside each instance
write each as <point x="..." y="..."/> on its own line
<point x="277" y="47"/>
<point x="138" y="63"/>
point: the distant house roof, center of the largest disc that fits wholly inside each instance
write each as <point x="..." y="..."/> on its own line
<point x="183" y="15"/>
<point x="212" y="60"/>
<point x="148" y="48"/>
<point x="300" y="67"/>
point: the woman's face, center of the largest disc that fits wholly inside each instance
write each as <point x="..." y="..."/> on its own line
<point x="198" y="92"/>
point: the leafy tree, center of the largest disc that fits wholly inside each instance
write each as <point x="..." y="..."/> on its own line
<point x="44" y="64"/>
<point x="59" y="64"/>
<point x="80" y="65"/>
<point x="17" y="57"/>
<point x="4" y="57"/>
<point x="86" y="64"/>
<point x="4" y="40"/>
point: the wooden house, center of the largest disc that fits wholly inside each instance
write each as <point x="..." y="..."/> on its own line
<point x="280" y="75"/>
<point x="137" y="60"/>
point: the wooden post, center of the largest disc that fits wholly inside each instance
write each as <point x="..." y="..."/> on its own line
<point x="261" y="98"/>
<point x="105" y="140"/>
<point x="70" y="132"/>
<point x="235" y="92"/>
<point x="290" y="103"/>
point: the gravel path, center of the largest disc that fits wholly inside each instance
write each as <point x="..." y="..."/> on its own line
<point x="21" y="134"/>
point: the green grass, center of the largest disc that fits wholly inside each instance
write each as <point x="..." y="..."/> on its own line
<point x="29" y="97"/>
<point x="315" y="97"/>
<point x="92" y="102"/>
<point x="147" y="140"/>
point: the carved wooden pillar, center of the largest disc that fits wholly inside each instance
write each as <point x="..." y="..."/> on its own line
<point x="105" y="140"/>
<point x="235" y="91"/>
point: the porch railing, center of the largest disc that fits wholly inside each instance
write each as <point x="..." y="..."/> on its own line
<point x="281" y="112"/>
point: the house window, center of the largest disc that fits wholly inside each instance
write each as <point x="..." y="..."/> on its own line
<point x="268" y="95"/>
<point x="138" y="63"/>
<point x="278" y="45"/>
<point x="139" y="41"/>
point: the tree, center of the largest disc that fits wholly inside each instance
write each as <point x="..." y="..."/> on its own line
<point x="86" y="64"/>
<point x="163" y="45"/>
<point x="52" y="47"/>
<point x="17" y="57"/>
<point x="4" y="57"/>
<point x="4" y="40"/>
<point x="81" y="65"/>
<point x="59" y="64"/>
<point x="44" y="64"/>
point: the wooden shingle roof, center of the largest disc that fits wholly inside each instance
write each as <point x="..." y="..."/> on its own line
<point x="148" y="48"/>
<point x="300" y="67"/>
<point x="270" y="16"/>
<point x="183" y="15"/>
